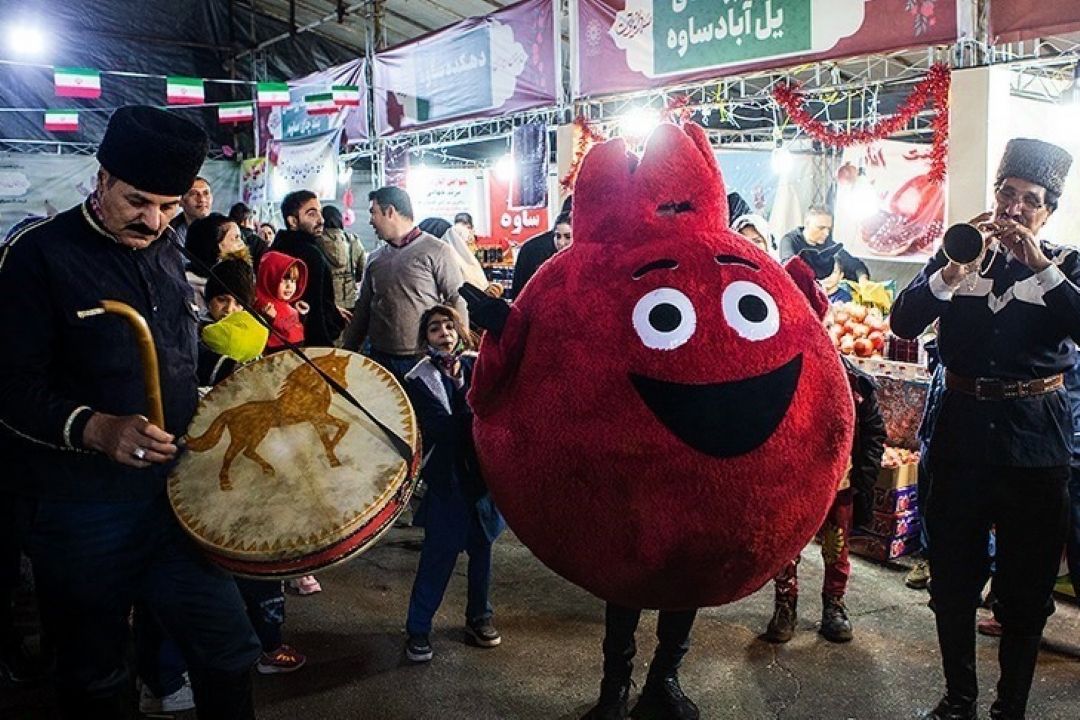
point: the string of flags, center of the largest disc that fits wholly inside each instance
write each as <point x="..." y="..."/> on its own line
<point x="85" y="83"/>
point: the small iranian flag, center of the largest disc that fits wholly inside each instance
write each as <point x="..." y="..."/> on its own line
<point x="321" y="104"/>
<point x="273" y="94"/>
<point x="61" y="120"/>
<point x="346" y="95"/>
<point x="235" y="112"/>
<point x="184" y="90"/>
<point x="77" y="82"/>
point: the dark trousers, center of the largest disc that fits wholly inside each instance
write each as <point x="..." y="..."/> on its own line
<point x="672" y="631"/>
<point x="92" y="562"/>
<point x="1028" y="508"/>
<point x="265" y="603"/>
<point x="452" y="525"/>
<point x="10" y="560"/>
<point x="1072" y="546"/>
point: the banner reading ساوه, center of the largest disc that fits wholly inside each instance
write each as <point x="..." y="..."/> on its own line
<point x="480" y="67"/>
<point x="627" y="45"/>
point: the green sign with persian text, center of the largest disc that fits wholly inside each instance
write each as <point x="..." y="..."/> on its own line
<point x="699" y="34"/>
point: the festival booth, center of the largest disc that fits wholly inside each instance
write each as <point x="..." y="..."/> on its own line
<point x="462" y="117"/>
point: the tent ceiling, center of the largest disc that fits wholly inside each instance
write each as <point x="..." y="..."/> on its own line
<point x="397" y="20"/>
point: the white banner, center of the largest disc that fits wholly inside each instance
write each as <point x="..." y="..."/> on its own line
<point x="307" y="164"/>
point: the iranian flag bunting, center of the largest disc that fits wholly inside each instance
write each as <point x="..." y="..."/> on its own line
<point x="61" y="120"/>
<point x="272" y="94"/>
<point x="346" y="95"/>
<point x="184" y="90"/>
<point x="236" y="112"/>
<point x="77" y="82"/>
<point x="321" y="104"/>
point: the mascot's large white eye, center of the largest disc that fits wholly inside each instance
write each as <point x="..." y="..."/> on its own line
<point x="664" y="319"/>
<point x="750" y="311"/>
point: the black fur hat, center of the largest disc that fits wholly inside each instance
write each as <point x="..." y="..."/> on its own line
<point x="153" y="150"/>
<point x="1035" y="161"/>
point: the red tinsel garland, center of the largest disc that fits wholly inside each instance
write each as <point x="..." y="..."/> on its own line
<point x="587" y="137"/>
<point x="935" y="88"/>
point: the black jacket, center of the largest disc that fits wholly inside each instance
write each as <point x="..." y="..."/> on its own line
<point x="60" y="367"/>
<point x="530" y="257"/>
<point x="868" y="443"/>
<point x="323" y="323"/>
<point x="821" y="257"/>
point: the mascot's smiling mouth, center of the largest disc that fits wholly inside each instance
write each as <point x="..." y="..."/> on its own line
<point x="723" y="419"/>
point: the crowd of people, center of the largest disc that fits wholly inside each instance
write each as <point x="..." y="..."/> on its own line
<point x="85" y="501"/>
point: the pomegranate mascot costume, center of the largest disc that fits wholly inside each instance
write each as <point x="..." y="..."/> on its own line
<point x="660" y="416"/>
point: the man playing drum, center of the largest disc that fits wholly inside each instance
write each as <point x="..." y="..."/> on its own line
<point x="87" y="468"/>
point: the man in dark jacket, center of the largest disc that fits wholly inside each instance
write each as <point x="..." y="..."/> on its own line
<point x="539" y="249"/>
<point x="1002" y="436"/>
<point x="85" y="467"/>
<point x="814" y="244"/>
<point x="303" y="218"/>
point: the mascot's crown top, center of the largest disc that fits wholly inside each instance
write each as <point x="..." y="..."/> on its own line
<point x="674" y="188"/>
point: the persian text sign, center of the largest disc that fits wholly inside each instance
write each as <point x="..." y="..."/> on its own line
<point x="627" y="45"/>
<point x="697" y="34"/>
<point x="480" y="67"/>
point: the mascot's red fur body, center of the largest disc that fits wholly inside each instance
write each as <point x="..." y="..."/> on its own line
<point x="662" y="419"/>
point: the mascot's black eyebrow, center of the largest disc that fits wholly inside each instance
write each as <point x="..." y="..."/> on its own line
<point x="736" y="260"/>
<point x="662" y="264"/>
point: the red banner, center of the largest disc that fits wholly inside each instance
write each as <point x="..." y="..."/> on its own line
<point x="627" y="45"/>
<point x="1014" y="20"/>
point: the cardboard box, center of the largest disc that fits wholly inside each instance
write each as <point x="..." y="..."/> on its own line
<point x="898" y="477"/>
<point x="883" y="549"/>
<point x="894" y="525"/>
<point x="891" y="501"/>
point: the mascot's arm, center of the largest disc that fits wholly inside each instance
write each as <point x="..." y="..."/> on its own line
<point x="501" y="350"/>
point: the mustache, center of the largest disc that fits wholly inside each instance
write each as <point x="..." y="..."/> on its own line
<point x="142" y="229"/>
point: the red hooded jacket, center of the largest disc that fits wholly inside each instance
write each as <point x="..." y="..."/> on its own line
<point x="286" y="320"/>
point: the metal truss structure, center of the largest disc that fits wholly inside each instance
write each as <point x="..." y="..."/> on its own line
<point x="61" y="147"/>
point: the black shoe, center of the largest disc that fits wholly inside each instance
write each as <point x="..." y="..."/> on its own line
<point x="835" y="625"/>
<point x="663" y="699"/>
<point x="16" y="664"/>
<point x="782" y="625"/>
<point x="418" y="649"/>
<point x="483" y="633"/>
<point x="614" y="697"/>
<point x="953" y="710"/>
<point x="1017" y="656"/>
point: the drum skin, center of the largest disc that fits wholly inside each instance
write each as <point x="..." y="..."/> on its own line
<point x="280" y="476"/>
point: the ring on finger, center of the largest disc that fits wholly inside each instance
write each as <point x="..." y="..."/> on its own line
<point x="139" y="453"/>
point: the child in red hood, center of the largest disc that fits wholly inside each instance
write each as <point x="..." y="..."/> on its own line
<point x="282" y="278"/>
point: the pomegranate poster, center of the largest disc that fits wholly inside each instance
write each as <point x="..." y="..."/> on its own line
<point x="886" y="206"/>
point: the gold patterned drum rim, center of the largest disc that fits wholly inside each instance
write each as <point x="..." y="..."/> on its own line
<point x="290" y="490"/>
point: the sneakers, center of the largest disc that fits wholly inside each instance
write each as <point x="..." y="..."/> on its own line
<point x="283" y="660"/>
<point x="663" y="699"/>
<point x="918" y="578"/>
<point x="835" y="625"/>
<point x="782" y="625"/>
<point x="418" y="649"/>
<point x="989" y="626"/>
<point x="483" y="634"/>
<point x="306" y="585"/>
<point x="178" y="701"/>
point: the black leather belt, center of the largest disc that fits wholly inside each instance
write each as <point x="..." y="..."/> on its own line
<point x="998" y="389"/>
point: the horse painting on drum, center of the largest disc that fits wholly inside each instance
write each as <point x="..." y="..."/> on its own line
<point x="303" y="398"/>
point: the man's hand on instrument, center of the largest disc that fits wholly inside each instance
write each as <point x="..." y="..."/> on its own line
<point x="1022" y="244"/>
<point x="129" y="440"/>
<point x="954" y="273"/>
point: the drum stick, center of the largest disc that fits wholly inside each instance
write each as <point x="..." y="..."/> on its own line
<point x="147" y="353"/>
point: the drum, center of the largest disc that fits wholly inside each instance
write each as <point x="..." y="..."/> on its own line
<point x="281" y="476"/>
